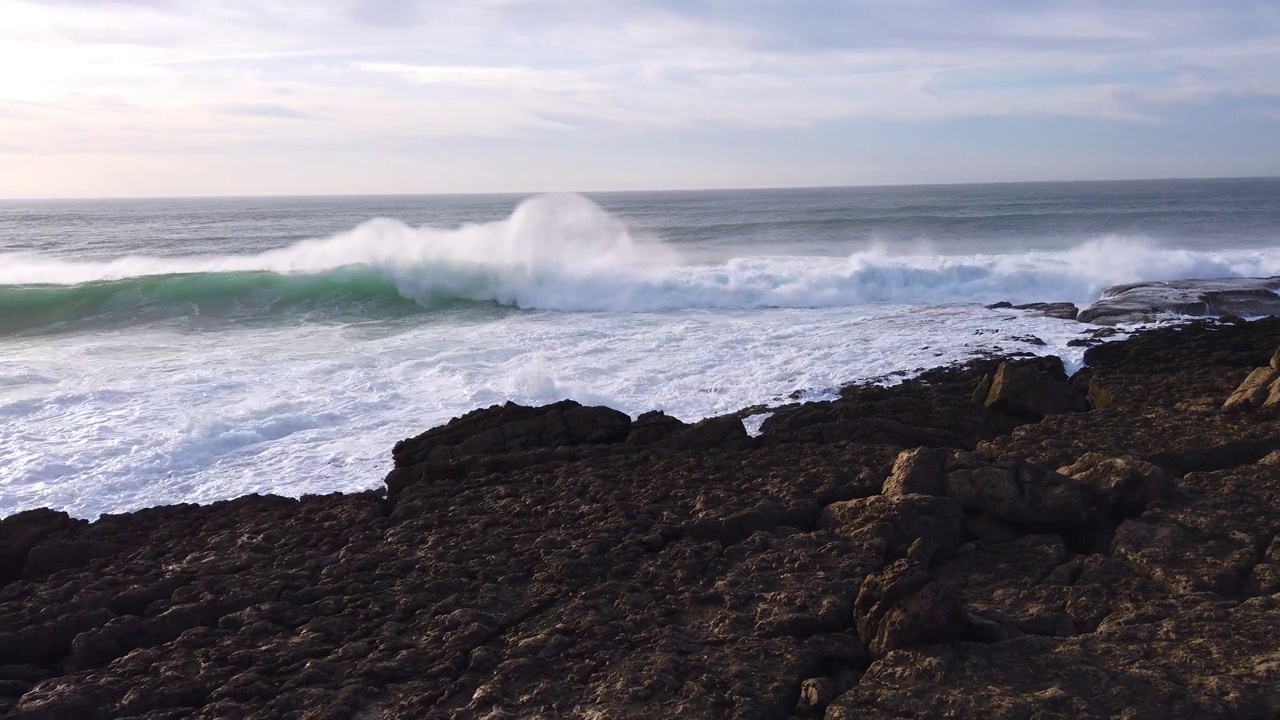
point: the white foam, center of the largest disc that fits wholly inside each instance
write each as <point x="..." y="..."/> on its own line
<point x="207" y="416"/>
<point x="562" y="252"/>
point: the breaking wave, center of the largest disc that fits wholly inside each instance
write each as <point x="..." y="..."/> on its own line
<point x="564" y="253"/>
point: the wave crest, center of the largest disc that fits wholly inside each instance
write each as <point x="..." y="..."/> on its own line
<point x="563" y="252"/>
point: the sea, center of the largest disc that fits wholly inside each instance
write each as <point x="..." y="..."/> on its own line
<point x="191" y="350"/>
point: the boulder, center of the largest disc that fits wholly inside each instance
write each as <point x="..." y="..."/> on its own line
<point x="888" y="526"/>
<point x="917" y="471"/>
<point x="21" y="532"/>
<point x="1253" y="392"/>
<point x="1032" y="389"/>
<point x="1124" y="485"/>
<point x="903" y="606"/>
<point x="1018" y="493"/>
<point x="512" y="427"/>
<point x="1060" y="310"/>
<point x="654" y="426"/>
<point x="1150" y="301"/>
<point x="718" y="432"/>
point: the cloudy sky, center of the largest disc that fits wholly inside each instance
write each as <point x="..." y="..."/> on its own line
<point x="246" y="97"/>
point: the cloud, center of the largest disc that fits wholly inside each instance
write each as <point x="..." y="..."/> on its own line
<point x="515" y="78"/>
<point x="204" y="76"/>
<point x="266" y="110"/>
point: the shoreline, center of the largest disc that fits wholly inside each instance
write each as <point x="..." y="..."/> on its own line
<point x="985" y="539"/>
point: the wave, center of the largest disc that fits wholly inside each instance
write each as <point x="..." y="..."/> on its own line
<point x="562" y="252"/>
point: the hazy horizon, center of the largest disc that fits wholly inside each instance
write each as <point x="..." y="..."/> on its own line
<point x="232" y="98"/>
<point x="677" y="190"/>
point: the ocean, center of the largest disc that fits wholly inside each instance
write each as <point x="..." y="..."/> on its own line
<point x="191" y="350"/>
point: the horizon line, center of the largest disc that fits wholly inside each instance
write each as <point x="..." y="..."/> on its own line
<point x="529" y="193"/>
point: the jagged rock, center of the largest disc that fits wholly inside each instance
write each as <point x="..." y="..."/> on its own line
<point x="887" y="526"/>
<point x="608" y="579"/>
<point x="1198" y="405"/>
<point x="1033" y="389"/>
<point x="1060" y="310"/>
<point x="654" y="426"/>
<point x="815" y="695"/>
<point x="717" y="432"/>
<point x="903" y="606"/>
<point x="1150" y="301"/>
<point x="512" y="427"/>
<point x="1018" y="493"/>
<point x="1123" y="485"/>
<point x="1253" y="391"/>
<point x="21" y="532"/>
<point x="1181" y="560"/>
<point x="917" y="471"/>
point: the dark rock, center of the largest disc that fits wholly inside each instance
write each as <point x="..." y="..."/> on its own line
<point x="1060" y="310"/>
<point x="918" y="471"/>
<point x="1032" y="389"/>
<point x="1150" y="301"/>
<point x="1018" y="493"/>
<point x="652" y="427"/>
<point x="559" y="562"/>
<point x="904" y="607"/>
<point x="21" y="532"/>
<point x="55" y="555"/>
<point x="886" y="526"/>
<point x="1125" y="486"/>
<point x="718" y="432"/>
<point x="512" y="427"/>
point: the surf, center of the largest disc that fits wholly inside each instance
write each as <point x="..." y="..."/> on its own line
<point x="562" y="253"/>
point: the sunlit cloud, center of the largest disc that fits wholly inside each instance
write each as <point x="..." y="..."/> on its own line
<point x="128" y="77"/>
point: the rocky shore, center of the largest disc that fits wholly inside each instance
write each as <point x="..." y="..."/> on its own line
<point x="992" y="540"/>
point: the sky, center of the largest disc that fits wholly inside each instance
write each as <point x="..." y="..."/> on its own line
<point x="294" y="97"/>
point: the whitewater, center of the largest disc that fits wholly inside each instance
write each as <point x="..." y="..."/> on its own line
<point x="157" y="352"/>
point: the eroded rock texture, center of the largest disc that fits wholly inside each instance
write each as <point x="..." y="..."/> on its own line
<point x="918" y="551"/>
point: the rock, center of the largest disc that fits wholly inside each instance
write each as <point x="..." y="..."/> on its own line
<point x="1275" y="360"/>
<point x="1060" y="310"/>
<point x="1198" y="405"/>
<point x="1017" y="493"/>
<point x="512" y="427"/>
<point x="652" y="427"/>
<point x="887" y="526"/>
<point x="1273" y="395"/>
<point x="904" y="607"/>
<point x="718" y="432"/>
<point x="1181" y="559"/>
<point x="1032" y="389"/>
<point x="815" y="695"/>
<point x="1123" y="485"/>
<point x="563" y="562"/>
<point x="1149" y="301"/>
<point x="55" y="555"/>
<point x="21" y="532"/>
<point x="918" y="471"/>
<point x="1253" y="391"/>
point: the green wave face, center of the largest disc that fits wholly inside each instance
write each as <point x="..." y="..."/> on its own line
<point x="343" y="294"/>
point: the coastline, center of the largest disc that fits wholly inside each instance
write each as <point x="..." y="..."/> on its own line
<point x="900" y="551"/>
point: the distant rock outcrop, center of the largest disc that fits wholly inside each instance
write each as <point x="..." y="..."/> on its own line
<point x="1151" y="301"/>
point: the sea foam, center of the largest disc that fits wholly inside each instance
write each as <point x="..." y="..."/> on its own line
<point x="563" y="252"/>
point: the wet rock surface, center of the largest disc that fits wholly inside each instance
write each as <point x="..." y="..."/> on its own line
<point x="1150" y="301"/>
<point x="916" y="551"/>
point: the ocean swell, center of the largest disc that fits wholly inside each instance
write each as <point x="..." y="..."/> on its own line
<point x="564" y="253"/>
